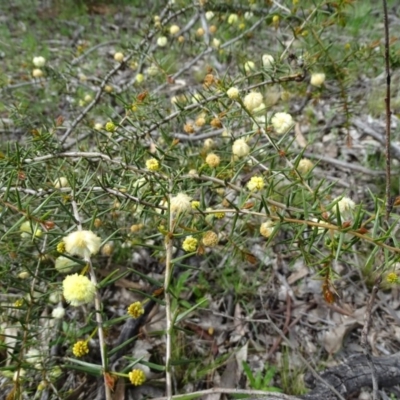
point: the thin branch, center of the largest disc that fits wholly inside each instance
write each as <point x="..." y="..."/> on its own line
<point x="169" y="244"/>
<point x="97" y="306"/>
<point x="388" y="111"/>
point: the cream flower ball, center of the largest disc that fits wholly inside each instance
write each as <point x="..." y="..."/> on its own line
<point x="174" y="29"/>
<point x="58" y="312"/>
<point x="162" y="41"/>
<point x="180" y="203"/>
<point x="82" y="243"/>
<point x="317" y="79"/>
<point x="249" y="66"/>
<point x="268" y="61"/>
<point x="37" y="73"/>
<point x="233" y="93"/>
<point x="78" y="290"/>
<point x="61" y="182"/>
<point x="119" y="57"/>
<point x="253" y="100"/>
<point x="305" y="166"/>
<point x="266" y="228"/>
<point x="240" y="148"/>
<point x="346" y="206"/>
<point x="39" y="61"/>
<point x="282" y="121"/>
<point x="64" y="265"/>
<point x="233" y="19"/>
<point x="209" y="15"/>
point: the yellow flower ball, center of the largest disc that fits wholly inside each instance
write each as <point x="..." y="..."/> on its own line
<point x="80" y="348"/>
<point x="137" y="377"/>
<point x="78" y="290"/>
<point x="110" y="126"/>
<point x="195" y="204"/>
<point x="139" y="78"/>
<point x="135" y="310"/>
<point x="256" y="183"/>
<point x="190" y="244"/>
<point x="152" y="164"/>
<point x="391" y="278"/>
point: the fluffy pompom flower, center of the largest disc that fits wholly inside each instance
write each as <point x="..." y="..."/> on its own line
<point x="39" y="61"/>
<point x="190" y="244"/>
<point x="233" y="93"/>
<point x="82" y="243"/>
<point x="268" y="61"/>
<point x="240" y="148"/>
<point x="180" y="203"/>
<point x="317" y="79"/>
<point x="78" y="290"/>
<point x="137" y="377"/>
<point x="253" y="100"/>
<point x="267" y="228"/>
<point x="256" y="183"/>
<point x="281" y="121"/>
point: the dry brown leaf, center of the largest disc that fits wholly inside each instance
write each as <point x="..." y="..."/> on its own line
<point x="300" y="139"/>
<point x="302" y="272"/>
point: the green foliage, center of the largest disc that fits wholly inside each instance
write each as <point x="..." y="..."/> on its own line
<point x="262" y="379"/>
